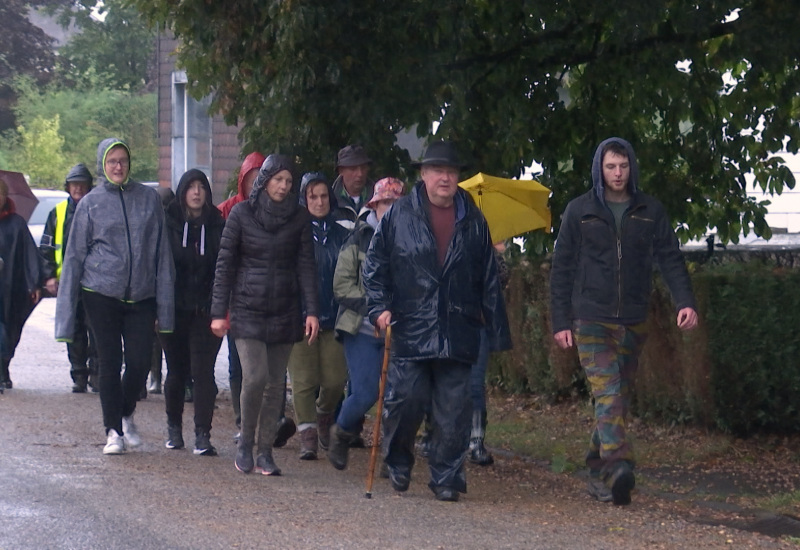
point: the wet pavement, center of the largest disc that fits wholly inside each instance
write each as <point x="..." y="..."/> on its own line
<point x="57" y="489"/>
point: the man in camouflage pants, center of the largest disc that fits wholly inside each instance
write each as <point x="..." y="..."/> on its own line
<point x="600" y="287"/>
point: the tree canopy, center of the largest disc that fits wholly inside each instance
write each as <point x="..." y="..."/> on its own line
<point x="706" y="91"/>
<point x="25" y="50"/>
<point x="112" y="49"/>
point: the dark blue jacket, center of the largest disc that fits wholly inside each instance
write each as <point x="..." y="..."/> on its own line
<point x="437" y="311"/>
<point x="329" y="237"/>
<point x="599" y="275"/>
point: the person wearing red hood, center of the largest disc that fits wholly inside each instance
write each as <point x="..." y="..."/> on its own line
<point x="247" y="175"/>
<point x="21" y="281"/>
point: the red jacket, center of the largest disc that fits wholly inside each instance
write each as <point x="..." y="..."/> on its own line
<point x="252" y="161"/>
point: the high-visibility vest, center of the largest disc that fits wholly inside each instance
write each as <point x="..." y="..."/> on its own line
<point x="61" y="218"/>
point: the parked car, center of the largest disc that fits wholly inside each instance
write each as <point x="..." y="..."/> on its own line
<point x="48" y="199"/>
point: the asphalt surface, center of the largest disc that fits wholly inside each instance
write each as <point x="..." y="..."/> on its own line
<point x="57" y="489"/>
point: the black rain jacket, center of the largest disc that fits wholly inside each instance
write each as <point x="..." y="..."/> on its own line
<point x="437" y="311"/>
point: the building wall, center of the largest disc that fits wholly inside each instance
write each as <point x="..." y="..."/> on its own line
<point x="784" y="210"/>
<point x="225" y="146"/>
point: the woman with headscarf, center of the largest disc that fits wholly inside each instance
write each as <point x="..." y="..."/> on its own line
<point x="318" y="371"/>
<point x="265" y="265"/>
<point x="195" y="227"/>
<point x="119" y="265"/>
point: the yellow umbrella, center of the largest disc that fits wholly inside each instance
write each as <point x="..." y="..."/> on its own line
<point x="511" y="207"/>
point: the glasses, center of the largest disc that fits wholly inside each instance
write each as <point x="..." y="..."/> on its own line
<point x="122" y="163"/>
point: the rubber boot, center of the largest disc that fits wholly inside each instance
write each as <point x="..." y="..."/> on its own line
<point x="477" y="451"/>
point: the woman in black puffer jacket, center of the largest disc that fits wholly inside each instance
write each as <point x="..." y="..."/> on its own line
<point x="266" y="263"/>
<point x="194" y="226"/>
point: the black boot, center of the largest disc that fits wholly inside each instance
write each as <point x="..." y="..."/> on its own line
<point x="340" y="446"/>
<point x="478" y="454"/>
<point x="79" y="383"/>
<point x="286" y="429"/>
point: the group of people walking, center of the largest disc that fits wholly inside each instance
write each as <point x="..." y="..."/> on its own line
<point x="306" y="277"/>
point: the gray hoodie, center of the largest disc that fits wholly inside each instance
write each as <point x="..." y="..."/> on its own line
<point x="118" y="247"/>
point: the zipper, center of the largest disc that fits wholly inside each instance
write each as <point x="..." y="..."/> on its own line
<point x="619" y="275"/>
<point x="127" y="296"/>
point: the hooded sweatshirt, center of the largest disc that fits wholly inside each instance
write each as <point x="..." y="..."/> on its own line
<point x="118" y="247"/>
<point x="195" y="246"/>
<point x="253" y="161"/>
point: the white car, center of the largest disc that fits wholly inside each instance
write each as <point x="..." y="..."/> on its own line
<point x="48" y="199"/>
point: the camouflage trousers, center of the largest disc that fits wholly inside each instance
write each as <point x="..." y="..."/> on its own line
<point x="609" y="355"/>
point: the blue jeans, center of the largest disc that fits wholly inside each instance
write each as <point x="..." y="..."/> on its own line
<point x="478" y="375"/>
<point x="364" y="355"/>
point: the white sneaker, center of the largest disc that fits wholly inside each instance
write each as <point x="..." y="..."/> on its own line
<point x="131" y="433"/>
<point x="115" y="444"/>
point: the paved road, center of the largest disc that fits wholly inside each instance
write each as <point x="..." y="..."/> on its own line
<point x="57" y="490"/>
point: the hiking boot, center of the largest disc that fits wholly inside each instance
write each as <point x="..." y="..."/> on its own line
<point x="400" y="480"/>
<point x="286" y="429"/>
<point x="244" y="457"/>
<point x="130" y="432"/>
<point x="115" y="443"/>
<point x="599" y="490"/>
<point x="621" y="481"/>
<point x="308" y="444"/>
<point x="265" y="465"/>
<point x="358" y="443"/>
<point x="446" y="494"/>
<point x="202" y="444"/>
<point x="324" y="423"/>
<point x="340" y="445"/>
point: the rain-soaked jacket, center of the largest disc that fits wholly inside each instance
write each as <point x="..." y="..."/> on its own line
<point x="329" y="237"/>
<point x="600" y="275"/>
<point x="195" y="245"/>
<point x="118" y="247"/>
<point x="437" y="311"/>
<point x="253" y="161"/>
<point x="266" y="262"/>
<point x="20" y="276"/>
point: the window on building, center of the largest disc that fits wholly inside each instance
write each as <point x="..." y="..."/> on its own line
<point x="191" y="131"/>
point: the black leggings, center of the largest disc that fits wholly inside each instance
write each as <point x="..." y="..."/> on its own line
<point x="191" y="352"/>
<point x="113" y="322"/>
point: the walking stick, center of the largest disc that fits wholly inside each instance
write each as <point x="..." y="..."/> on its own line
<point x="376" y="430"/>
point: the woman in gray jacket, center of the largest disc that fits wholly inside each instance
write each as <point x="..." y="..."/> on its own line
<point x="118" y="263"/>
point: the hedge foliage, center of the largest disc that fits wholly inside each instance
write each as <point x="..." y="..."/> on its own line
<point x="738" y="372"/>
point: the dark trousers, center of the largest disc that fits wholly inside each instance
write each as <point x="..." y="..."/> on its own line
<point x="81" y="350"/>
<point x="191" y="352"/>
<point x="114" y="322"/>
<point x="438" y="386"/>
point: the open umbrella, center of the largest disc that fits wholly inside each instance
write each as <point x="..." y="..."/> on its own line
<point x="20" y="193"/>
<point x="511" y="207"/>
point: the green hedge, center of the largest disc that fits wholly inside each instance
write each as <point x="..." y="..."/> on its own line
<point x="739" y="371"/>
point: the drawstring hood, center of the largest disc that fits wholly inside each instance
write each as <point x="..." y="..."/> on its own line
<point x="103" y="149"/>
<point x="180" y="211"/>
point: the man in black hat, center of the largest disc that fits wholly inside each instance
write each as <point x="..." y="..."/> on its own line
<point x="352" y="188"/>
<point x="431" y="274"/>
<point x="53" y="245"/>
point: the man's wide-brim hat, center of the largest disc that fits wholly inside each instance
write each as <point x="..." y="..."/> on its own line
<point x="440" y="153"/>
<point x="352" y="155"/>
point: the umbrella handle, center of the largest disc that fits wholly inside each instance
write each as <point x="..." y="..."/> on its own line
<point x="376" y="430"/>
